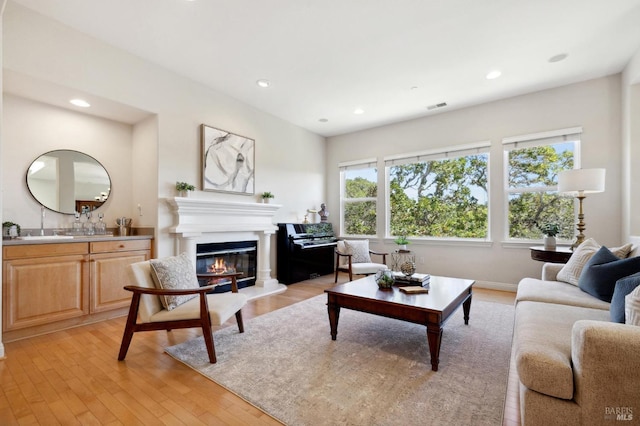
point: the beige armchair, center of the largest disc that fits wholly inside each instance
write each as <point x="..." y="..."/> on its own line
<point x="147" y="312"/>
<point x="354" y="257"/>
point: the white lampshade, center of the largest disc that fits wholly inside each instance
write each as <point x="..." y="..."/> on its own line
<point x="581" y="181"/>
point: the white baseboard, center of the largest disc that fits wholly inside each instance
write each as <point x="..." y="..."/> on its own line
<point x="492" y="285"/>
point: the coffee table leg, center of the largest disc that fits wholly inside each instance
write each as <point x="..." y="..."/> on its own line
<point x="334" y="314"/>
<point x="434" y="336"/>
<point x="466" y="307"/>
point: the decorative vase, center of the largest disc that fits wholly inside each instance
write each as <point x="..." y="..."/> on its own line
<point x="384" y="279"/>
<point x="184" y="193"/>
<point x="408" y="268"/>
<point x="266" y="200"/>
<point x="549" y="242"/>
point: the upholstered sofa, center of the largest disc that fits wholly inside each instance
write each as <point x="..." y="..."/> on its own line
<point x="574" y="365"/>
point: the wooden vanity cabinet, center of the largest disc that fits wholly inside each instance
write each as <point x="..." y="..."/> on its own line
<point x="49" y="287"/>
<point x="44" y="284"/>
<point x="109" y="261"/>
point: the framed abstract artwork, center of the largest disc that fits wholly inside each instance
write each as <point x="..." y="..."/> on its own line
<point x="227" y="161"/>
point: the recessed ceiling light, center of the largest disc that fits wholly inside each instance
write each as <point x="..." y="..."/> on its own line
<point x="80" y="103"/>
<point x="358" y="111"/>
<point x="558" y="58"/>
<point x="323" y="120"/>
<point x="494" y="74"/>
<point x="263" y="83"/>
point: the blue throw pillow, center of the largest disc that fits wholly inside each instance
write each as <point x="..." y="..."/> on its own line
<point x="623" y="287"/>
<point x="599" y="275"/>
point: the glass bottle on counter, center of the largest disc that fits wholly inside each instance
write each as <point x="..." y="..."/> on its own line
<point x="76" y="226"/>
<point x="89" y="226"/>
<point x="101" y="227"/>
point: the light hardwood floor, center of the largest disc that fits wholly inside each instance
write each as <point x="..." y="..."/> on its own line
<point x="72" y="376"/>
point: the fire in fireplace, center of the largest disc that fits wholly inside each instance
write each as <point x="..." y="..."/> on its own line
<point x="218" y="258"/>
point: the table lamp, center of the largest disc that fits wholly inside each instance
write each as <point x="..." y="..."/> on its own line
<point x="578" y="182"/>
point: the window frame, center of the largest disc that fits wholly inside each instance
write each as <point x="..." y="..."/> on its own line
<point x="369" y="163"/>
<point x="455" y="151"/>
<point x="531" y="141"/>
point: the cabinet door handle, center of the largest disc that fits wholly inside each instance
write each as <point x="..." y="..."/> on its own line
<point x="121" y="246"/>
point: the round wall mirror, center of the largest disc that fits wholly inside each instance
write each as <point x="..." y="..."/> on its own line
<point x="68" y="181"/>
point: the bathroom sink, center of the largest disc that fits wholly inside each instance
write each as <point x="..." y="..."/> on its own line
<point x="46" y="237"/>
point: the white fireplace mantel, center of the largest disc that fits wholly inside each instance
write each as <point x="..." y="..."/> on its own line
<point x="206" y="220"/>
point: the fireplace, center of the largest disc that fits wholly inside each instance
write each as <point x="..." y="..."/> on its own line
<point x="232" y="256"/>
<point x="201" y="221"/>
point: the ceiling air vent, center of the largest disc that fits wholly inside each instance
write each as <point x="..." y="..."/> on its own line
<point x="435" y="106"/>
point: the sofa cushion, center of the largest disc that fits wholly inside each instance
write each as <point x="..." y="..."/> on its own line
<point x="623" y="287"/>
<point x="542" y="345"/>
<point x="570" y="272"/>
<point x="632" y="307"/>
<point x="599" y="276"/>
<point x="534" y="290"/>
<point x="176" y="272"/>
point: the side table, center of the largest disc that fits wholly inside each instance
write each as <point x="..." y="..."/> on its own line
<point x="398" y="257"/>
<point x="559" y="255"/>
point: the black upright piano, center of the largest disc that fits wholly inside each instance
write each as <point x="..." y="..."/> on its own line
<point x="305" y="250"/>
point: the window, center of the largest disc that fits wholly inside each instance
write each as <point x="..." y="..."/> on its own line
<point x="358" y="197"/>
<point x="440" y="194"/>
<point x="532" y="165"/>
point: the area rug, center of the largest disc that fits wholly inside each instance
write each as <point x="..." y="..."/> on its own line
<point x="377" y="372"/>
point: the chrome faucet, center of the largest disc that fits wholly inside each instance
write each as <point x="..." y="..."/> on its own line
<point x="42" y="220"/>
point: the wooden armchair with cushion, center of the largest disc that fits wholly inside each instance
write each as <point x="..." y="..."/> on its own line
<point x="168" y="296"/>
<point x="354" y="257"/>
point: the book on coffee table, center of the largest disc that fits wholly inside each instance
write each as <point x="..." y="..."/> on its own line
<point x="414" y="289"/>
<point x="415" y="279"/>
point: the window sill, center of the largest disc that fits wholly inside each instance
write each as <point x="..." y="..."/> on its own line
<point x="458" y="242"/>
<point x="529" y="243"/>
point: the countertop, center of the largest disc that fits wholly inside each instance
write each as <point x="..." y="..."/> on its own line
<point x="76" y="239"/>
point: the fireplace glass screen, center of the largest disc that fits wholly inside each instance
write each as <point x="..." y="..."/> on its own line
<point x="236" y="256"/>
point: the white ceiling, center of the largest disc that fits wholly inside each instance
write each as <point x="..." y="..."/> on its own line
<point x="392" y="58"/>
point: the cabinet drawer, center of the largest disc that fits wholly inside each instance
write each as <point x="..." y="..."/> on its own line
<point x="119" y="245"/>
<point x="43" y="250"/>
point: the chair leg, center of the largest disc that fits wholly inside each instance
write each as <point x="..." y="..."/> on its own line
<point x="129" y="328"/>
<point x="208" y="341"/>
<point x="239" y="321"/>
<point x="207" y="333"/>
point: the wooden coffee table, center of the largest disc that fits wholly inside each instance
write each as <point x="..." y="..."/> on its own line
<point x="430" y="309"/>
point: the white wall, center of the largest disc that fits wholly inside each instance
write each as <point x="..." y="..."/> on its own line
<point x="44" y="49"/>
<point x="594" y="105"/>
<point x="631" y="147"/>
<point x="32" y="128"/>
<point x="2" y="7"/>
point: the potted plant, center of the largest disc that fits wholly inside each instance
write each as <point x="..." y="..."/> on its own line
<point x="266" y="196"/>
<point x="550" y="230"/>
<point x="184" y="188"/>
<point x="402" y="242"/>
<point x="6" y="229"/>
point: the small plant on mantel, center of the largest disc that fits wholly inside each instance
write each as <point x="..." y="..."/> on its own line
<point x="266" y="196"/>
<point x="184" y="188"/>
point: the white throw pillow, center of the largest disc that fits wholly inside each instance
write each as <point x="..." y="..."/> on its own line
<point x="175" y="272"/>
<point x="632" y="307"/>
<point x="571" y="271"/>
<point x="359" y="250"/>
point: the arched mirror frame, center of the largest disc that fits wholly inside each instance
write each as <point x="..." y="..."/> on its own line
<point x="57" y="169"/>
